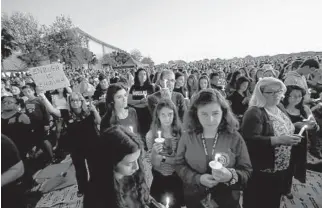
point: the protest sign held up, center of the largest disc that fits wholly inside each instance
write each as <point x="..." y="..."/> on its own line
<point x="49" y="77"/>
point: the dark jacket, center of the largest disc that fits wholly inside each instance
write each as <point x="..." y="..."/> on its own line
<point x="257" y="130"/>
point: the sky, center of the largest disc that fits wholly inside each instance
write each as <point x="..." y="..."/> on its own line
<point x="189" y="29"/>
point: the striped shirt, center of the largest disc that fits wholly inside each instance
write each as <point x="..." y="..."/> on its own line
<point x="172" y="143"/>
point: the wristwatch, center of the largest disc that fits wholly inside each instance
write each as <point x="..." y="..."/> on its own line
<point x="163" y="158"/>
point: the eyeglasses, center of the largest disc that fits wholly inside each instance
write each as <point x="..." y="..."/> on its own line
<point x="9" y="102"/>
<point x="76" y="100"/>
<point x="274" y="93"/>
<point x="296" y="97"/>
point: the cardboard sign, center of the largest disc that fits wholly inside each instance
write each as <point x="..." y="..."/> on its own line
<point x="49" y="77"/>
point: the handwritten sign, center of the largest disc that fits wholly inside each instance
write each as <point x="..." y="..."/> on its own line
<point x="49" y="77"/>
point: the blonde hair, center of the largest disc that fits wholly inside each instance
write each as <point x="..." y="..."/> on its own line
<point x="258" y="98"/>
<point x="85" y="110"/>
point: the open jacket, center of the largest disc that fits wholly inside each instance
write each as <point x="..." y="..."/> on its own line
<point x="191" y="163"/>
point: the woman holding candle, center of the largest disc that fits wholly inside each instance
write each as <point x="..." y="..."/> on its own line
<point x="167" y="128"/>
<point x="210" y="129"/>
<point x="269" y="135"/>
<point x="119" y="181"/>
<point x="300" y="116"/>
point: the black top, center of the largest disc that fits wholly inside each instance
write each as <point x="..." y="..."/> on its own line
<point x="181" y="90"/>
<point x="100" y="95"/>
<point x="18" y="132"/>
<point x="138" y="92"/>
<point x="237" y="105"/>
<point x="9" y="154"/>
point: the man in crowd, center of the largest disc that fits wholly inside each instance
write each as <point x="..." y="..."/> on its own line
<point x="167" y="81"/>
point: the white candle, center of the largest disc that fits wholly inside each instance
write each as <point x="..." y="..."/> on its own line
<point x="215" y="165"/>
<point x="217" y="156"/>
<point x="186" y="94"/>
<point x="167" y="202"/>
<point x="131" y="128"/>
<point x="159" y="139"/>
<point x="308" y="118"/>
<point x="302" y="130"/>
<point x="165" y="83"/>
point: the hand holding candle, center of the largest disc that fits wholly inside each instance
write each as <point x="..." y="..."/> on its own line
<point x="308" y="118"/>
<point x="165" y="81"/>
<point x="159" y="139"/>
<point x="167" y="202"/>
<point x="215" y="165"/>
<point x="302" y="130"/>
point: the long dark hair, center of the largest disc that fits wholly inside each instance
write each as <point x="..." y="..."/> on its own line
<point x="234" y="78"/>
<point x="136" y="78"/>
<point x="113" y="145"/>
<point x="206" y="78"/>
<point x="240" y="81"/>
<point x="109" y="101"/>
<point x="300" y="105"/>
<point x="65" y="92"/>
<point x="156" y="124"/>
<point x="191" y="121"/>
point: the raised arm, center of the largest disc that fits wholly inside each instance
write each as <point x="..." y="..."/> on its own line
<point x="49" y="106"/>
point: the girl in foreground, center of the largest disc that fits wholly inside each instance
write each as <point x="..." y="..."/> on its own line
<point x="120" y="180"/>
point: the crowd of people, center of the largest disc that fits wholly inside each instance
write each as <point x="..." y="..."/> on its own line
<point x="147" y="137"/>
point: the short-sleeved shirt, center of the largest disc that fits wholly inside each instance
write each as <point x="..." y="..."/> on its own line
<point x="138" y="92"/>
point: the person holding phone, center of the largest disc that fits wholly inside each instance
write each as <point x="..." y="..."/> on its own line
<point x="269" y="135"/>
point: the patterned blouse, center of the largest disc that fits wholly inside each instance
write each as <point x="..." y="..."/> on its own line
<point x="282" y="125"/>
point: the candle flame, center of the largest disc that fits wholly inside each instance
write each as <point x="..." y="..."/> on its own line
<point x="217" y="156"/>
<point x="165" y="83"/>
<point x="167" y="202"/>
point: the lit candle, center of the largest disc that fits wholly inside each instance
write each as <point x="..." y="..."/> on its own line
<point x="309" y="90"/>
<point x="186" y="94"/>
<point x="159" y="139"/>
<point x="215" y="164"/>
<point x="217" y="156"/>
<point x="302" y="130"/>
<point x="131" y="128"/>
<point x="308" y="118"/>
<point x="167" y="202"/>
<point x="165" y="83"/>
